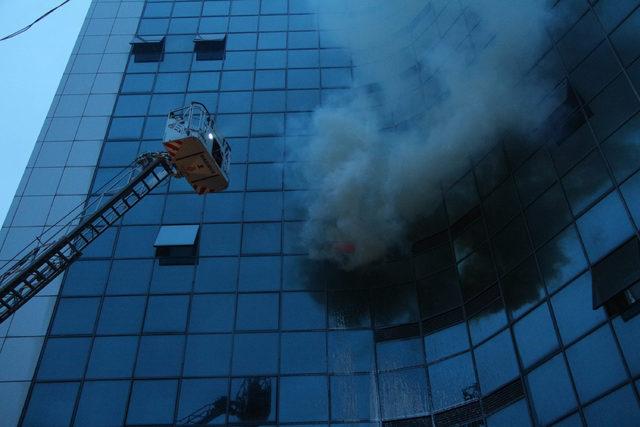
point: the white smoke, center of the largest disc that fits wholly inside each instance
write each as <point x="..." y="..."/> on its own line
<point x="373" y="179"/>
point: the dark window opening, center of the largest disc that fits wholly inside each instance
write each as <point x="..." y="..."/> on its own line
<point x="177" y="245"/>
<point x="397" y="332"/>
<point x="616" y="281"/>
<point x="442" y="321"/>
<point x="210" y="48"/>
<point x="147" y="49"/>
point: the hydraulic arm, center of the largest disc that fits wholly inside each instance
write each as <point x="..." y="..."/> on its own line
<point x="29" y="274"/>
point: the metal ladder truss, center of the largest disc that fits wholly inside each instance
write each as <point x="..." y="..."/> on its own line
<point x="26" y="276"/>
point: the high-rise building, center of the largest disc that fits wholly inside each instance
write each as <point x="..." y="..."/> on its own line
<point x="516" y="304"/>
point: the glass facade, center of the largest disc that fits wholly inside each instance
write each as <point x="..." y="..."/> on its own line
<point x="489" y="321"/>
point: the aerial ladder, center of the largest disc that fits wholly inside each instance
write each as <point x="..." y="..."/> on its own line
<point x="252" y="403"/>
<point x="193" y="150"/>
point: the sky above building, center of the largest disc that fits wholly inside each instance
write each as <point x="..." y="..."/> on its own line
<point x="32" y="65"/>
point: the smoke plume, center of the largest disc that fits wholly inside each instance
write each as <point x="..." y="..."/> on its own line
<point x="423" y="102"/>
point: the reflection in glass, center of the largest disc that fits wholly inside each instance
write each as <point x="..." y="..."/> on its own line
<point x="439" y="293"/>
<point x="522" y="288"/>
<point x="476" y="272"/>
<point x="487" y="322"/>
<point x="253" y="401"/>
<point x="349" y="309"/>
<point x="561" y="259"/>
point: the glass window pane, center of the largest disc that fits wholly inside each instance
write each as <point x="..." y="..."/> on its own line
<point x="166" y="313"/>
<point x="197" y="394"/>
<point x="160" y="356"/>
<point x="261" y="238"/>
<point x="259" y="393"/>
<point x="631" y="193"/>
<point x="522" y="288"/>
<point x="505" y="417"/>
<point x="586" y="182"/>
<point x="352" y="398"/>
<point x="551" y="391"/>
<point x="255" y="354"/>
<point x="216" y="275"/>
<point x="102" y="403"/>
<point x="411" y="384"/>
<point x="496" y="362"/>
<point x="618" y="408"/>
<point x="51" y="404"/>
<point x="349" y="309"/>
<point x="477" y="272"/>
<point x="152" y="402"/>
<point x="103" y="364"/>
<point x="446" y="342"/>
<point x="86" y="278"/>
<point x="220" y="239"/>
<point x="207" y="355"/>
<point x="304" y="310"/>
<point x="622" y="149"/>
<point x="303" y="352"/>
<point x="595" y="364"/>
<point x="573" y="308"/>
<point x="511" y="245"/>
<point x="487" y="322"/>
<point x="351" y="351"/>
<point x="561" y="259"/>
<point x="171" y="279"/>
<point x="535" y="176"/>
<point x="75" y="316"/>
<point x="628" y="333"/>
<point x="223" y="207"/>
<point x="535" y="335"/>
<point x="500" y="206"/>
<point x="260" y="273"/>
<point x="212" y="313"/>
<point x="64" y="358"/>
<point x="548" y="215"/>
<point x="453" y="381"/>
<point x="121" y="315"/>
<point x="129" y="277"/>
<point x="257" y="311"/>
<point x="394" y="354"/>
<point x="395" y="305"/>
<point x="304" y="399"/>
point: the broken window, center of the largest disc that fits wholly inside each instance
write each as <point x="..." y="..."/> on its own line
<point x="177" y="244"/>
<point x="148" y="49"/>
<point x="210" y="48"/>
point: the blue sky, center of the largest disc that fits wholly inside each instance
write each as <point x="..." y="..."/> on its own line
<point x="32" y="64"/>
